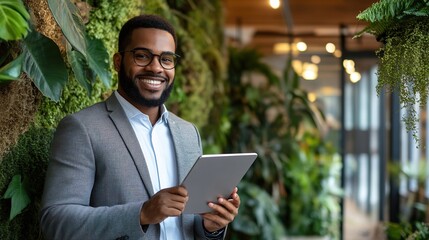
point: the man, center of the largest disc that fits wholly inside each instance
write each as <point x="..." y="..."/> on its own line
<point x="116" y="166"/>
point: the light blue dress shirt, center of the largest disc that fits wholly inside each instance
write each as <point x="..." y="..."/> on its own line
<point x="158" y="150"/>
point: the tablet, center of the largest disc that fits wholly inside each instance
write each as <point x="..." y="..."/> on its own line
<point x="212" y="176"/>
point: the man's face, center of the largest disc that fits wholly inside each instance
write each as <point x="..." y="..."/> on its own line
<point x="148" y="86"/>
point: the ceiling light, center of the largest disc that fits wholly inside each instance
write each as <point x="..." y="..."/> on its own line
<point x="281" y="48"/>
<point x="337" y="53"/>
<point x="275" y="4"/>
<point x="347" y="63"/>
<point x="301" y="46"/>
<point x="350" y="70"/>
<point x="315" y="59"/>
<point x="355" y="77"/>
<point x="330" y="47"/>
<point x="310" y="71"/>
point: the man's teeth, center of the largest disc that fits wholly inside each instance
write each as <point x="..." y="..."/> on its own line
<point x="152" y="82"/>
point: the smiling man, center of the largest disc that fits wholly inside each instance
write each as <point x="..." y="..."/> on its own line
<point x="116" y="166"/>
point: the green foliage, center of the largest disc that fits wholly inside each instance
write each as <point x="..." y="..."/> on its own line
<point x="257" y="216"/>
<point x="14" y="20"/>
<point x="402" y="25"/>
<point x="73" y="99"/>
<point x="413" y="213"/>
<point x="404" y="66"/>
<point x="408" y="231"/>
<point x="82" y="72"/>
<point x="17" y="192"/>
<point x="273" y="117"/>
<point x="40" y="52"/>
<point x="254" y="130"/>
<point x="28" y="158"/>
<point x="94" y="54"/>
<point x="44" y="64"/>
<point x="98" y="61"/>
<point x="104" y="25"/>
<point x="381" y="15"/>
<point x="67" y="16"/>
<point x="12" y="70"/>
<point x="311" y="176"/>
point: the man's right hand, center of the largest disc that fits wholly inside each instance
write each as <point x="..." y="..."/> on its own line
<point x="165" y="203"/>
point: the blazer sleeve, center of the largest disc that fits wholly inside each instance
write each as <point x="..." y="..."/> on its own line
<point x="66" y="212"/>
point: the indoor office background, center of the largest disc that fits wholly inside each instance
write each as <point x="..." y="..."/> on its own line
<point x="382" y="171"/>
<point x="383" y="174"/>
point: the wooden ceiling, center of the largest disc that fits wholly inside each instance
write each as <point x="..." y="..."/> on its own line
<point x="253" y="23"/>
<point x="316" y="22"/>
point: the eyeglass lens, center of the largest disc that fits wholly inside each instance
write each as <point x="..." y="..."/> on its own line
<point x="144" y="57"/>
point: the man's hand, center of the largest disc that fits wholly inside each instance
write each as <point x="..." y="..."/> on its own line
<point x="223" y="212"/>
<point x="165" y="203"/>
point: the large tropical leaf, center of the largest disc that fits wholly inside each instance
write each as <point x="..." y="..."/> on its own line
<point x="83" y="74"/>
<point x="12" y="70"/>
<point x="67" y="16"/>
<point x="98" y="60"/>
<point x="44" y="65"/>
<point x="17" y="193"/>
<point x="13" y="20"/>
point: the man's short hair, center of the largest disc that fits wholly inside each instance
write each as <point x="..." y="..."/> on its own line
<point x="143" y="21"/>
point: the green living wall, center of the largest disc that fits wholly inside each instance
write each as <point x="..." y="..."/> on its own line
<point x="29" y="119"/>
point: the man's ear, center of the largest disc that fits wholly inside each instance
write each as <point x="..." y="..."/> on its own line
<point x="117" y="57"/>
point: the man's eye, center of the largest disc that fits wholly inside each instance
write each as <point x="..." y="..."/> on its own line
<point x="142" y="55"/>
<point x="168" y="59"/>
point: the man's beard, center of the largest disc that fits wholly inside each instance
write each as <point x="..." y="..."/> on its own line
<point x="132" y="91"/>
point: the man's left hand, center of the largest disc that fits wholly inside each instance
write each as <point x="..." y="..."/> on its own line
<point x="224" y="212"/>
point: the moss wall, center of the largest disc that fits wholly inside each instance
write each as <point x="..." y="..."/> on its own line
<point x="29" y="158"/>
<point x="24" y="106"/>
<point x="19" y="101"/>
<point x="198" y="77"/>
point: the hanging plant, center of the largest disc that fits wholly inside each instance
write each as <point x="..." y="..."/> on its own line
<point x="403" y="28"/>
<point x="405" y="66"/>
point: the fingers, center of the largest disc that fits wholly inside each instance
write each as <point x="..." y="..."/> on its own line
<point x="223" y="212"/>
<point x="165" y="203"/>
<point x="173" y="198"/>
<point x="234" y="191"/>
<point x="227" y="207"/>
<point x="180" y="190"/>
<point x="230" y="205"/>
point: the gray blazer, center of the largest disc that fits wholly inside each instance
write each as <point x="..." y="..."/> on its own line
<point x="97" y="179"/>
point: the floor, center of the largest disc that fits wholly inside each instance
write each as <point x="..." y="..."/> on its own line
<point x="359" y="226"/>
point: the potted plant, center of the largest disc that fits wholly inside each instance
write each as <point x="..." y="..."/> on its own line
<point x="310" y="206"/>
<point x="252" y="90"/>
<point x="273" y="117"/>
<point x="403" y="28"/>
<point x="413" y="224"/>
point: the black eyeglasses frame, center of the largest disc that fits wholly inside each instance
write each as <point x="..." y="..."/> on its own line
<point x="176" y="56"/>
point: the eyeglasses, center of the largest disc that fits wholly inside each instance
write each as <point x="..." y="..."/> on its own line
<point x="143" y="57"/>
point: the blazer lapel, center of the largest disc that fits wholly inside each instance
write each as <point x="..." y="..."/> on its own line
<point x="187" y="145"/>
<point x="178" y="149"/>
<point x="126" y="131"/>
